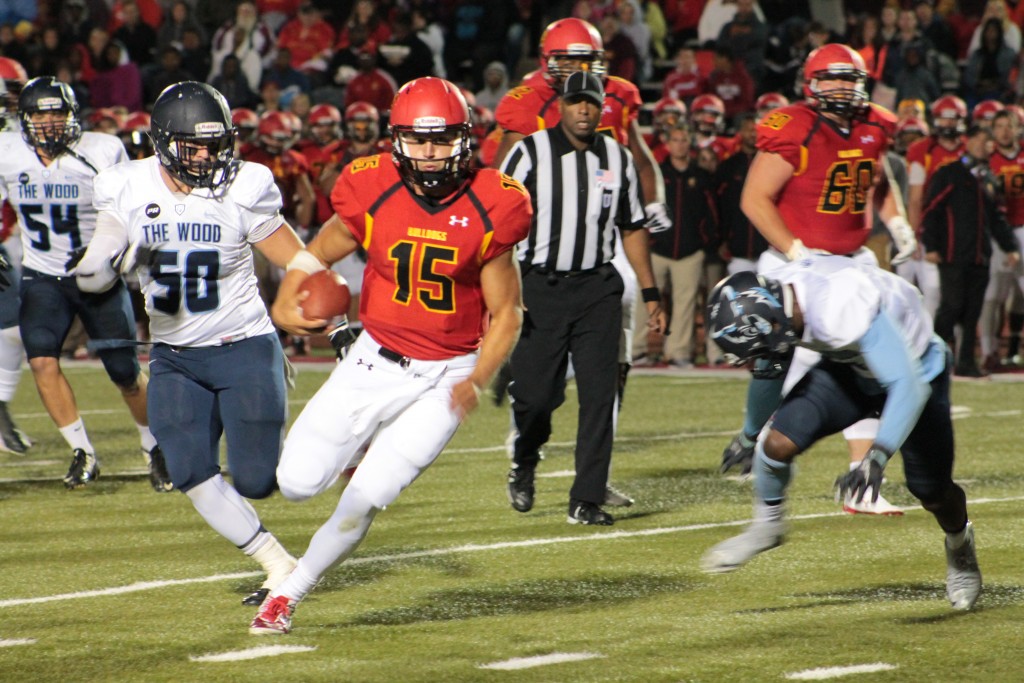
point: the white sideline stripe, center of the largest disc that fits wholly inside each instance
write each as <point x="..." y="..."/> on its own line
<point x="540" y="660"/>
<point x="454" y="550"/>
<point x="252" y="653"/>
<point x="618" y="439"/>
<point x="822" y="673"/>
<point x="11" y="642"/>
<point x="559" y="473"/>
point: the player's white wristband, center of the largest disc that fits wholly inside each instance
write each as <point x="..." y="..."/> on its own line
<point x="306" y="262"/>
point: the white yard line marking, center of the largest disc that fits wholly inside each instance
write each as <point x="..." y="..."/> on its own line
<point x="540" y="660"/>
<point x="559" y="473"/>
<point x="825" y="672"/>
<point x="454" y="550"/>
<point x="252" y="653"/>
<point x="12" y="642"/>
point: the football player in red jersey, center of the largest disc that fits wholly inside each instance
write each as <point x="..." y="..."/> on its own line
<point x="908" y="131"/>
<point x="924" y="157"/>
<point x="769" y="102"/>
<point x="275" y="137"/>
<point x="441" y="310"/>
<point x="570" y="45"/>
<point x="247" y="122"/>
<point x="668" y="111"/>
<point x="810" y="188"/>
<point x="707" y="115"/>
<point x="1007" y="164"/>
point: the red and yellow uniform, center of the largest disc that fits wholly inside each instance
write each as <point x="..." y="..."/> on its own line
<point x="823" y="204"/>
<point x="1010" y="171"/>
<point x="286" y="166"/>
<point x="421" y="290"/>
<point x="533" y="106"/>
<point x="931" y="155"/>
<point x="334" y="154"/>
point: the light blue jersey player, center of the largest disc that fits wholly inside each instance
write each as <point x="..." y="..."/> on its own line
<point x="46" y="174"/>
<point x="189" y="219"/>
<point x="879" y="358"/>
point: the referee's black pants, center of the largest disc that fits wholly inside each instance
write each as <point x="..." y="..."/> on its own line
<point x="579" y="314"/>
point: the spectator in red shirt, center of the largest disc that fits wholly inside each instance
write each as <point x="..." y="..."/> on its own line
<point x="364" y="14"/>
<point x="682" y="17"/>
<point x="371" y="85"/>
<point x="731" y="82"/>
<point x="309" y="38"/>
<point x="686" y="81"/>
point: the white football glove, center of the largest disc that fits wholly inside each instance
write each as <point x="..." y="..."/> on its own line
<point x="657" y="217"/>
<point x="797" y="251"/>
<point x="903" y="237"/>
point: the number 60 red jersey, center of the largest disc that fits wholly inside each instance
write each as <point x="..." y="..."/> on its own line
<point x="421" y="288"/>
<point x="823" y="204"/>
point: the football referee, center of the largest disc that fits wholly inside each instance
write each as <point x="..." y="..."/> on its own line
<point x="584" y="188"/>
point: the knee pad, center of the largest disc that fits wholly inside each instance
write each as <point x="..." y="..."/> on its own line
<point x="121" y="365"/>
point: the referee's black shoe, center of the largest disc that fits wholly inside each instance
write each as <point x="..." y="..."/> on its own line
<point x="582" y="512"/>
<point x="520" y="488"/>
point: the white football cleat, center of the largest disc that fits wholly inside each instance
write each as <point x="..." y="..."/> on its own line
<point x="735" y="552"/>
<point x="963" y="577"/>
<point x="866" y="507"/>
<point x="274" y="617"/>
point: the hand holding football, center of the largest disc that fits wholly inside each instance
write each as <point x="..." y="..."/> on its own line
<point x="328" y="296"/>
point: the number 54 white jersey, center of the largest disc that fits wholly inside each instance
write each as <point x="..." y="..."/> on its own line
<point x="201" y="289"/>
<point x="54" y="203"/>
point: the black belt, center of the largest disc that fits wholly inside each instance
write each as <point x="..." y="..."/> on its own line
<point x="550" y="272"/>
<point x="394" y="357"/>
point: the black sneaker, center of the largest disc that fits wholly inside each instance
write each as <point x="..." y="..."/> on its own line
<point x="520" y="488"/>
<point x="12" y="439"/>
<point x="582" y="512"/>
<point x="159" y="478"/>
<point x="84" y="469"/>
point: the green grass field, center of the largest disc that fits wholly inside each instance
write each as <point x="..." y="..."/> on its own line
<point x="117" y="583"/>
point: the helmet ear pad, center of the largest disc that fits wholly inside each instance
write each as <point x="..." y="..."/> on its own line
<point x="188" y="116"/>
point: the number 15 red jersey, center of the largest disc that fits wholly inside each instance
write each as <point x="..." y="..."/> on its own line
<point x="421" y="288"/>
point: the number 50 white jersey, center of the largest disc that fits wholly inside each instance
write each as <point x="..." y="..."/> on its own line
<point x="201" y="289"/>
<point x="54" y="203"/>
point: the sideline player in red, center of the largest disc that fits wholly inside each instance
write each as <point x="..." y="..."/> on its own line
<point x="439" y="238"/>
<point x="570" y="45"/>
<point x="809" y="188"/>
<point x="924" y="157"/>
<point x="1007" y="163"/>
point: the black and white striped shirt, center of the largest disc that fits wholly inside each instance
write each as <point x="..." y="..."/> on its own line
<point x="579" y="198"/>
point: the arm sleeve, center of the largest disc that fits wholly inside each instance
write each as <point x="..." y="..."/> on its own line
<point x="259" y="206"/>
<point x="933" y="231"/>
<point x="634" y="216"/>
<point x="889" y="359"/>
<point x="94" y="273"/>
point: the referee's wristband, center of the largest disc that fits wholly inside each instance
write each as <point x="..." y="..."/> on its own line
<point x="650" y="294"/>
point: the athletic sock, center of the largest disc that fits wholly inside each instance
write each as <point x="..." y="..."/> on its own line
<point x="76" y="436"/>
<point x="146" y="437"/>
<point x="226" y="511"/>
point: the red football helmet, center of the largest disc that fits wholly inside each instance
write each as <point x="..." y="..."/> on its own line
<point x="106" y="120"/>
<point x="949" y="116"/>
<point x="769" y="101"/>
<point x="431" y="110"/>
<point x="324" y="123"/>
<point x="1017" y="111"/>
<point x="275" y="132"/>
<point x="908" y="131"/>
<point x="836" y="62"/>
<point x="246" y="121"/>
<point x="667" y="112"/>
<point x="362" y="122"/>
<point x="985" y="111"/>
<point x="569" y="45"/>
<point x="15" y="77"/>
<point x="708" y="114"/>
<point x="294" y="123"/>
<point x="135" y="135"/>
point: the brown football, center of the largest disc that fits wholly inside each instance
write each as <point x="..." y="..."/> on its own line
<point x="329" y="295"/>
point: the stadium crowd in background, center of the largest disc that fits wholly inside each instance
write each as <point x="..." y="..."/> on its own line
<point x="714" y="57"/>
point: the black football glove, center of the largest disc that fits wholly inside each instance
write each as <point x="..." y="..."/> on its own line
<point x="867" y="475"/>
<point x="738" y="453"/>
<point x="341" y="338"/>
<point x="74" y="258"/>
